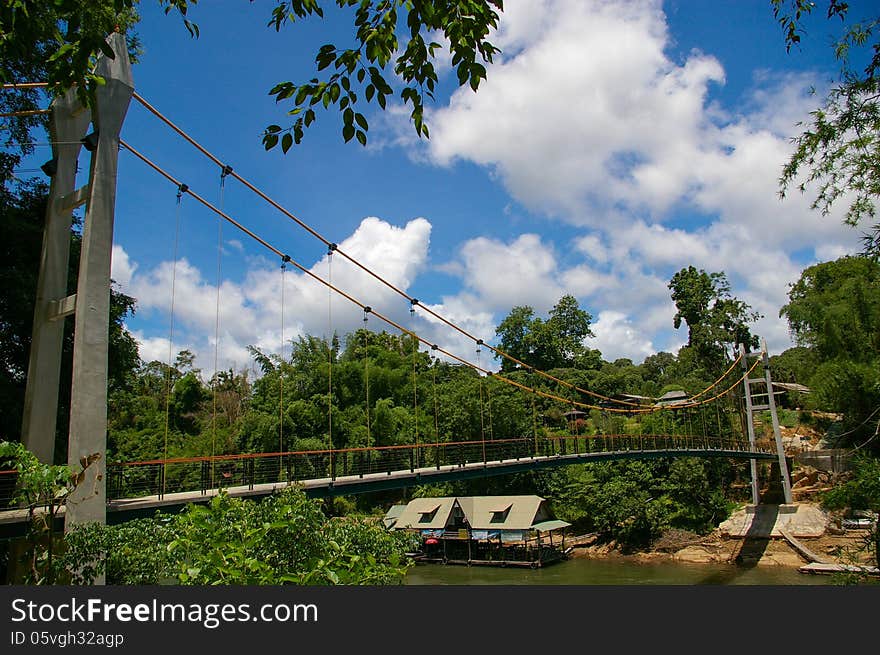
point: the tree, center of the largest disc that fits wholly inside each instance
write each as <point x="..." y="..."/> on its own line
<point x="62" y="39"/>
<point x="285" y="539"/>
<point x="714" y="317"/>
<point x="22" y="214"/>
<point x="860" y="491"/>
<point x="840" y="150"/>
<point x="557" y="342"/>
<point x="834" y="310"/>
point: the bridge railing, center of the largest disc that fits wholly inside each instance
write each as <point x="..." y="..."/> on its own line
<point x="162" y="477"/>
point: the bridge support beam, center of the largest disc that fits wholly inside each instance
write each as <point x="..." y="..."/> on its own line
<point x="69" y="123"/>
<point x="88" y="411"/>
<point x="777" y="434"/>
<point x="750" y="423"/>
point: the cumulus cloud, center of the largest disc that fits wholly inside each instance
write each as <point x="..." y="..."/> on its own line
<point x="249" y="311"/>
<point x="594" y="112"/>
<point x="602" y="128"/>
<point x="121" y="266"/>
<point x="617" y="336"/>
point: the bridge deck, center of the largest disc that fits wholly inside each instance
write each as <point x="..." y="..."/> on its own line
<point x="13" y="522"/>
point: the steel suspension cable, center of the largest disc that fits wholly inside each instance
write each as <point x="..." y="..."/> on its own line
<point x="357" y="302"/>
<point x="367" y="372"/>
<point x="436" y="406"/>
<point x="181" y="189"/>
<point x="489" y="406"/>
<point x="281" y="377"/>
<point x="354" y="261"/>
<point x="216" y="379"/>
<point x="12" y="86"/>
<point x="412" y="317"/>
<point x="330" y="353"/>
<point x="24" y="112"/>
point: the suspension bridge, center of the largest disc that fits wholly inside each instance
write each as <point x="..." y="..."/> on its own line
<point x="718" y="421"/>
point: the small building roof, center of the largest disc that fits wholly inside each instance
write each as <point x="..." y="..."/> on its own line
<point x="426" y="513"/>
<point x="501" y="512"/>
<point x="672" y="398"/>
<point x="791" y="386"/>
<point x="391" y="516"/>
<point x="547" y="526"/>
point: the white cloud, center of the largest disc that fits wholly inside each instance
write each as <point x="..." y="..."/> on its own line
<point x="121" y="266"/>
<point x="617" y="336"/>
<point x="594" y="112"/>
<point x="507" y="274"/>
<point x="588" y="118"/>
<point x="250" y="309"/>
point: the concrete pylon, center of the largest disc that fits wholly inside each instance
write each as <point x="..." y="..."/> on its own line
<point x="777" y="434"/>
<point x="68" y="125"/>
<point x="750" y="425"/>
<point x="88" y="411"/>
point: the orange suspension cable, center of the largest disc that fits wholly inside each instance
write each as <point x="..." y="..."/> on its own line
<point x="326" y="241"/>
<point x="27" y="112"/>
<point x="362" y="305"/>
<point x="12" y="86"/>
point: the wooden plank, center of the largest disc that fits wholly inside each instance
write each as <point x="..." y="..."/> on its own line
<point x="828" y="569"/>
<point x="803" y="550"/>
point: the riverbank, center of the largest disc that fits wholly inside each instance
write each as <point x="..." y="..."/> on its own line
<point x="745" y="539"/>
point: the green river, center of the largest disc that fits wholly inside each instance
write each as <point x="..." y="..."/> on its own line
<point x="581" y="571"/>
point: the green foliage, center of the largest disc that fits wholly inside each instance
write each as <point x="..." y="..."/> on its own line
<point x="861" y="491"/>
<point x="557" y="342"/>
<point x="37" y="484"/>
<point x="59" y="41"/>
<point x="22" y="215"/>
<point x="346" y="75"/>
<point x="634" y="503"/>
<point x="284" y="539"/>
<point x="42" y="489"/>
<point x="834" y="311"/>
<point x="714" y="317"/>
<point x="840" y="149"/>
<point x="131" y="553"/>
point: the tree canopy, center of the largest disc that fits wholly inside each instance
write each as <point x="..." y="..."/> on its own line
<point x="834" y="311"/>
<point x="59" y="42"/>
<point x="714" y="317"/>
<point x="557" y="342"/>
<point x="839" y="150"/>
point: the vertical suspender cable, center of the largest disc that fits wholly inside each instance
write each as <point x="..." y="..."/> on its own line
<point x="534" y="419"/>
<point x="226" y="171"/>
<point x="330" y="250"/>
<point x="367" y="310"/>
<point x="281" y="376"/>
<point x="482" y="424"/>
<point x="415" y="351"/>
<point x="489" y="406"/>
<point x="436" y="406"/>
<point x="180" y="191"/>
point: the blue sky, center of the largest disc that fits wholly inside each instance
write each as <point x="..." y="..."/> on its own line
<point x="612" y="144"/>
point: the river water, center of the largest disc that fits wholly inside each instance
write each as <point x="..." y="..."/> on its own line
<point x="582" y="571"/>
